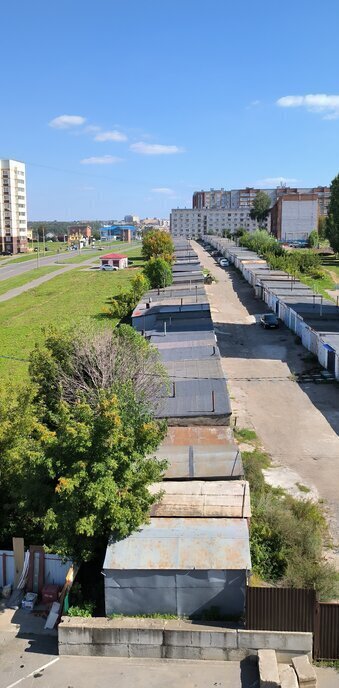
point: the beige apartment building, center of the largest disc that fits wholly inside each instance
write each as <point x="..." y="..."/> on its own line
<point x="13" y="209"/>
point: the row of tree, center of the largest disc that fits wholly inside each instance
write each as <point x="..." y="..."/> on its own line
<point x="298" y="262"/>
<point x="76" y="442"/>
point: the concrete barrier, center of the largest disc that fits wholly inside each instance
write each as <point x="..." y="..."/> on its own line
<point x="268" y="669"/>
<point x="157" y="638"/>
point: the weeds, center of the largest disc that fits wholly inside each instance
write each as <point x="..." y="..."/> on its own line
<point x="245" y="435"/>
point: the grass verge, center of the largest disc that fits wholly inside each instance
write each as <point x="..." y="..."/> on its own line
<point x="67" y="300"/>
<point x="287" y="535"/>
<point x="20" y="280"/>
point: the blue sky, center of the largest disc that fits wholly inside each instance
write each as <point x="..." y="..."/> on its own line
<point x="163" y="97"/>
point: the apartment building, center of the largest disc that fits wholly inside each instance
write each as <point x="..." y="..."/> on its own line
<point x="295" y="216"/>
<point x="243" y="198"/>
<point x="191" y="223"/>
<point x="13" y="212"/>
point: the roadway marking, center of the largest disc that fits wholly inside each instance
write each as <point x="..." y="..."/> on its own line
<point x="34" y="672"/>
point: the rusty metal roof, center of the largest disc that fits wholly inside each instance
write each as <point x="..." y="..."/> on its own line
<point x="182" y="544"/>
<point x="202" y="499"/>
<point x="201" y="453"/>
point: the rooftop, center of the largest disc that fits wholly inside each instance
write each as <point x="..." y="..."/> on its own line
<point x="183" y="544"/>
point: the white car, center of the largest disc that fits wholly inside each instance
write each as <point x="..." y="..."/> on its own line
<point x="223" y="262"/>
<point x="108" y="268"/>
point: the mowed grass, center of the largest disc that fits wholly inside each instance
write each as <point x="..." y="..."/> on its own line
<point x="20" y="280"/>
<point x="76" y="297"/>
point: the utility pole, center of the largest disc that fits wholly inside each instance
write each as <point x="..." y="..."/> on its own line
<point x="38" y="247"/>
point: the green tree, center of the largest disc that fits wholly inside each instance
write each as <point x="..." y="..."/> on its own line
<point x="313" y="239"/>
<point x="261" y="207"/>
<point x="158" y="272"/>
<point x="332" y="221"/>
<point x="157" y="244"/>
<point x="322" y="227"/>
<point x="76" y="449"/>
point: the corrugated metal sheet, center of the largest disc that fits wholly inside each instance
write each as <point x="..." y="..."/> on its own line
<point x="328" y="644"/>
<point x="183" y="543"/>
<point x="201" y="452"/>
<point x="56" y="569"/>
<point x="203" y="499"/>
<point x="280" y="609"/>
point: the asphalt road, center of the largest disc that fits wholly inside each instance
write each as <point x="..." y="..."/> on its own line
<point x="298" y="424"/>
<point x="12" y="269"/>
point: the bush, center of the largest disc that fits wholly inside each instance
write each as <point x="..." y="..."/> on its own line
<point x="85" y="610"/>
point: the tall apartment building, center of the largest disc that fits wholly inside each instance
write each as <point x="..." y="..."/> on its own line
<point x="193" y="222"/>
<point x="243" y="198"/>
<point x="13" y="213"/>
<point x="295" y="216"/>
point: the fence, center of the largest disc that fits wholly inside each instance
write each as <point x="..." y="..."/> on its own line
<point x="55" y="568"/>
<point x="289" y="609"/>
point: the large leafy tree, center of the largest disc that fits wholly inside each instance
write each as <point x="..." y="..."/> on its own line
<point x="261" y="207"/>
<point x="158" y="272"/>
<point x="157" y="244"/>
<point x="77" y="467"/>
<point x="332" y="221"/>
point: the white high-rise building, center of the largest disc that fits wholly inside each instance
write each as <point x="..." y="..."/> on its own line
<point x="13" y="209"/>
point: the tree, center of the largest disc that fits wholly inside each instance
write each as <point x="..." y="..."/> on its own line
<point x="313" y="239"/>
<point x="158" y="272"/>
<point x="157" y="244"/>
<point x="332" y="221"/>
<point x="79" y="470"/>
<point x="261" y="207"/>
<point x="322" y="227"/>
<point x="123" y="303"/>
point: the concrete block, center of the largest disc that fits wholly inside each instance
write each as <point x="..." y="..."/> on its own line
<point x="276" y="640"/>
<point x="305" y="672"/>
<point x="146" y="651"/>
<point x="181" y="652"/>
<point x="213" y="653"/>
<point x="191" y="638"/>
<point x="94" y="650"/>
<point x="268" y="669"/>
<point x="288" y="677"/>
<point x="141" y="636"/>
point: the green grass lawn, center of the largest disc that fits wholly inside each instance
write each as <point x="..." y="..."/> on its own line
<point x="319" y="285"/>
<point x="19" y="280"/>
<point x="76" y="297"/>
<point x="118" y="246"/>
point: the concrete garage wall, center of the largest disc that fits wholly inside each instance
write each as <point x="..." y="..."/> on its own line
<point x="173" y="640"/>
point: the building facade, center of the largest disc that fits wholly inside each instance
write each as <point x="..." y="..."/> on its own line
<point x="192" y="223"/>
<point x="13" y="208"/>
<point x="243" y="198"/>
<point x="295" y="216"/>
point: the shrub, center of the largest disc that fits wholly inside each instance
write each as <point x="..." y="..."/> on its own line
<point x="85" y="610"/>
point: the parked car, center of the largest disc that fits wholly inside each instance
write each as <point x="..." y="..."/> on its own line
<point x="6" y="253"/>
<point x="108" y="268"/>
<point x="223" y="262"/>
<point x="269" y="321"/>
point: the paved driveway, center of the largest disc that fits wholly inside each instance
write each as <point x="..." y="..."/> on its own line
<point x="298" y="424"/>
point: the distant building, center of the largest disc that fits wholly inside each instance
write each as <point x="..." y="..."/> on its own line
<point x="116" y="260"/>
<point x="192" y="223"/>
<point x="13" y="211"/>
<point x="295" y="216"/>
<point x="132" y="219"/>
<point x="79" y="234"/>
<point x="243" y="198"/>
<point x="121" y="232"/>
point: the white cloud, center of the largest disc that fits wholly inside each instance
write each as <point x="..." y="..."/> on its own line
<point x="163" y="190"/>
<point x="67" y="121"/>
<point x="154" y="149"/>
<point x="101" y="160"/>
<point x="321" y="103"/>
<point x="275" y="181"/>
<point x="91" y="129"/>
<point x="110" y="136"/>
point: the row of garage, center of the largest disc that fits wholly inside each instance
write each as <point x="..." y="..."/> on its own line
<point x="307" y="313"/>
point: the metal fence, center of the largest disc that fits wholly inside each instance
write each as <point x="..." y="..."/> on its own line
<point x="55" y="568"/>
<point x="290" y="609"/>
